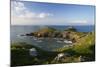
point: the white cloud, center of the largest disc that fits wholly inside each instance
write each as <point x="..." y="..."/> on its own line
<point x="17" y="8"/>
<point x="44" y="15"/>
<point x="20" y="14"/>
<point x="79" y="21"/>
<point x="27" y="15"/>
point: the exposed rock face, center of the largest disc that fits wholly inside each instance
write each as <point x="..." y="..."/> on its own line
<point x="51" y="32"/>
<point x="30" y="34"/>
<point x="71" y="28"/>
<point x="66" y="34"/>
<point x="57" y="34"/>
<point x="33" y="52"/>
<point x="61" y="56"/>
<point x="39" y="35"/>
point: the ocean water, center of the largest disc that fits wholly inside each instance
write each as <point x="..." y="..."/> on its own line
<point x="46" y="44"/>
<point x="84" y="28"/>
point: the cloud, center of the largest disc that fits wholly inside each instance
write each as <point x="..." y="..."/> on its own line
<point x="44" y="15"/>
<point x="79" y="21"/>
<point x="18" y="9"/>
<point x="22" y="15"/>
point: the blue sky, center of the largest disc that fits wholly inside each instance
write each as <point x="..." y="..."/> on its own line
<point x="36" y="13"/>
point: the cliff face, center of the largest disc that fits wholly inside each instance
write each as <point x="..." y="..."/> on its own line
<point x="70" y="33"/>
<point x="83" y="47"/>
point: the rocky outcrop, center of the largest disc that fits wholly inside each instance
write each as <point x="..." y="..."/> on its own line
<point x="71" y="28"/>
<point x="69" y="33"/>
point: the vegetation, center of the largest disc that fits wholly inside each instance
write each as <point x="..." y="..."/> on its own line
<point x="83" y="45"/>
<point x="20" y="55"/>
<point x="52" y="32"/>
<point x="47" y="29"/>
<point x="71" y="29"/>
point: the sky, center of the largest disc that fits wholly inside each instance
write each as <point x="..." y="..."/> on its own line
<point x="37" y="13"/>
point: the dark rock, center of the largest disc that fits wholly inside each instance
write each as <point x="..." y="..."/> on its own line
<point x="30" y="34"/>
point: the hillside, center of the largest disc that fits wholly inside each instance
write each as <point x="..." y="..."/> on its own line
<point x="83" y="46"/>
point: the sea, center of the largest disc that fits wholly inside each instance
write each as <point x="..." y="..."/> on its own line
<point x="44" y="43"/>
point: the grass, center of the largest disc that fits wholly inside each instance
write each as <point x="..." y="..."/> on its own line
<point x="85" y="46"/>
<point x="20" y="55"/>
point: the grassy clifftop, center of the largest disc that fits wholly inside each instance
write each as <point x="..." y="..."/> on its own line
<point x="83" y="46"/>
